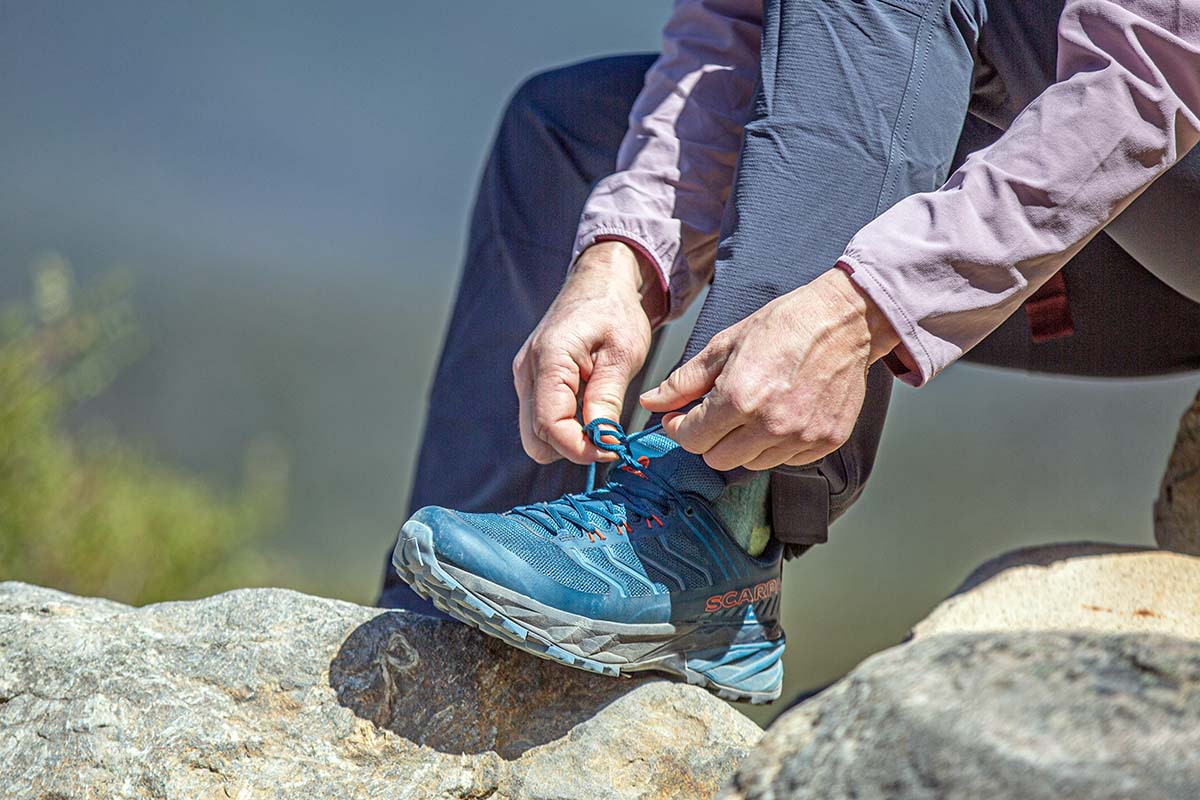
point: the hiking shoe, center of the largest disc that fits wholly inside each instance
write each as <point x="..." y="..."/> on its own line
<point x="636" y="575"/>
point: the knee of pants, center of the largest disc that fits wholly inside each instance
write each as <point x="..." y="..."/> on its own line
<point x="559" y="134"/>
<point x="540" y="99"/>
<point x="590" y="99"/>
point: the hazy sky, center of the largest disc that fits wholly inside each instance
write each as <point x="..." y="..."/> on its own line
<point x="289" y="136"/>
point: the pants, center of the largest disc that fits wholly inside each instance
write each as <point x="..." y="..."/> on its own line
<point x="860" y="103"/>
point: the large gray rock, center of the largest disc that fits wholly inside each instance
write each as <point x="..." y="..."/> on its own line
<point x="262" y="693"/>
<point x="1177" y="511"/>
<point x="1021" y="715"/>
<point x="1081" y="586"/>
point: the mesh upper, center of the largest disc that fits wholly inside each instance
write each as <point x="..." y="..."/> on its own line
<point x="535" y="551"/>
<point x="690" y="576"/>
<point x="685" y="471"/>
<point x="632" y="586"/>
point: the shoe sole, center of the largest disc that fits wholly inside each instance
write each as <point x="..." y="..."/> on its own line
<point x="416" y="563"/>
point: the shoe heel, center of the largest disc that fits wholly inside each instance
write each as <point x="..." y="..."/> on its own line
<point x="748" y="671"/>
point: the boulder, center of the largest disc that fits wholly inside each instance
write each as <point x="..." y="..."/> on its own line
<point x="1079" y="587"/>
<point x="265" y="693"/>
<point x="1069" y="670"/>
<point x="1021" y="715"/>
<point x="1177" y="510"/>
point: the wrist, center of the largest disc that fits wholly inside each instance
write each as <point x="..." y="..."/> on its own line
<point x="615" y="259"/>
<point x="882" y="336"/>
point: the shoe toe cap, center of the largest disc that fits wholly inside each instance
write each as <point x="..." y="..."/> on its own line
<point x="458" y="543"/>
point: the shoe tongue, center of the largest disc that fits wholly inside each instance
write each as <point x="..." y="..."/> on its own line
<point x="685" y="471"/>
<point x="652" y="446"/>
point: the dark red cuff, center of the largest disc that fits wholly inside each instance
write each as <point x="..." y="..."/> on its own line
<point x="1049" y="312"/>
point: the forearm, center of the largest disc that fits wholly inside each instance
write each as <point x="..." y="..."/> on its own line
<point x="947" y="267"/>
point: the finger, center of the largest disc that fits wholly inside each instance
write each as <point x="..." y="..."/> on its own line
<point x="771" y="458"/>
<point x="604" y="394"/>
<point x="704" y="425"/>
<point x="737" y="448"/>
<point x="554" y="407"/>
<point x="534" y="447"/>
<point x="688" y="382"/>
<point x="809" y="456"/>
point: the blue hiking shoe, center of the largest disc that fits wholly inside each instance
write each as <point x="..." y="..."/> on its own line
<point x="636" y="575"/>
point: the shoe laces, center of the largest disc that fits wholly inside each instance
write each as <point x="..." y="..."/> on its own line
<point x="643" y="500"/>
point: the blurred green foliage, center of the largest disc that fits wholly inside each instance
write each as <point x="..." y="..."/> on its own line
<point x="85" y="512"/>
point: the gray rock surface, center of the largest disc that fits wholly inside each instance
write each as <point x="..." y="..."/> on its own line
<point x="1026" y="715"/>
<point x="1080" y="587"/>
<point x="263" y="693"/>
<point x="1177" y="511"/>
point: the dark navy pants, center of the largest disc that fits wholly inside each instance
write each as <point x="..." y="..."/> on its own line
<point x="860" y="103"/>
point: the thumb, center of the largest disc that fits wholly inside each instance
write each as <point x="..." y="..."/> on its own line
<point x="604" y="394"/>
<point x="689" y="382"/>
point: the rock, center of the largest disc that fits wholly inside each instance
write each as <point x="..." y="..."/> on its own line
<point x="264" y="693"/>
<point x="1026" y="715"/>
<point x="1079" y="587"/>
<point x="1177" y="510"/>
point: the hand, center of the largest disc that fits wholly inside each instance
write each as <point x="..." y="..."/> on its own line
<point x="597" y="332"/>
<point x="785" y="385"/>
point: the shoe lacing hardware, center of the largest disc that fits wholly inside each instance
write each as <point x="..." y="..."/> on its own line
<point x="643" y="502"/>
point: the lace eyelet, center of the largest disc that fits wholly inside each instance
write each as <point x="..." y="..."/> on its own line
<point x="689" y="511"/>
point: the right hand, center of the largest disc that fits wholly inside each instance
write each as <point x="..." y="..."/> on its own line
<point x="595" y="336"/>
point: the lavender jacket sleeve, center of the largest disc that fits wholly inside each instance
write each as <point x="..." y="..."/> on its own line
<point x="676" y="162"/>
<point x="947" y="267"/>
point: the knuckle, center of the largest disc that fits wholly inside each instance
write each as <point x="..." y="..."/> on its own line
<point x="608" y="399"/>
<point x="742" y="402"/>
<point x="810" y="436"/>
<point x="776" y="425"/>
<point x="820" y="437"/>
<point x="718" y="343"/>
<point x="686" y="439"/>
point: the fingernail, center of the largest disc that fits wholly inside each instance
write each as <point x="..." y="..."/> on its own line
<point x="650" y="393"/>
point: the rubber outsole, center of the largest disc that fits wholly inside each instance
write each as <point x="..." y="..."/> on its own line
<point x="415" y="561"/>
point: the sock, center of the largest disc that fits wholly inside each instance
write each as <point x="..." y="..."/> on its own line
<point x="744" y="508"/>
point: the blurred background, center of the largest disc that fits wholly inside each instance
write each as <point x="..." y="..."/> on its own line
<point x="229" y="238"/>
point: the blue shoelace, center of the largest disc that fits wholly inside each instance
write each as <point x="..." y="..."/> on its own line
<point x="641" y="500"/>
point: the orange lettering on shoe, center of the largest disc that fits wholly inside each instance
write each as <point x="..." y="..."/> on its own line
<point x="734" y="598"/>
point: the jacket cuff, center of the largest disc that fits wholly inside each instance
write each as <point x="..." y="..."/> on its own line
<point x="662" y="250"/>
<point x="909" y="361"/>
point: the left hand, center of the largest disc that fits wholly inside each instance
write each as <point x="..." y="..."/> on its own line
<point x="785" y="385"/>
